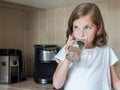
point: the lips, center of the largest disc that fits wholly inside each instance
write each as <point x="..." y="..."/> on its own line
<point x="81" y="44"/>
<point x="81" y="41"/>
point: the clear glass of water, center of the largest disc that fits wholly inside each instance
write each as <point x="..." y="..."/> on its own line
<point x="75" y="51"/>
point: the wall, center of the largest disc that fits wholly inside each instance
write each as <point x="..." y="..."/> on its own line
<point x="14" y="28"/>
<point x="22" y="28"/>
<point x="50" y="25"/>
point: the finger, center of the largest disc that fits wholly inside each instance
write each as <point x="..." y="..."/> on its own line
<point x="69" y="44"/>
<point x="69" y="38"/>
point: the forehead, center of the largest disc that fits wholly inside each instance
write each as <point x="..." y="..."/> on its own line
<point x="85" y="20"/>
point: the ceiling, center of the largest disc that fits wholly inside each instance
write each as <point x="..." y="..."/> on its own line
<point x="47" y="4"/>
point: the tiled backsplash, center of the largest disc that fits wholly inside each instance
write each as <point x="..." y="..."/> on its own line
<point x="53" y="24"/>
<point x="24" y="28"/>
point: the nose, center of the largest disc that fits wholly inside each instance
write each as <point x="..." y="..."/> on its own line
<point x="82" y="33"/>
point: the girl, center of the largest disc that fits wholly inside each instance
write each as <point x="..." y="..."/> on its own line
<point x="96" y="68"/>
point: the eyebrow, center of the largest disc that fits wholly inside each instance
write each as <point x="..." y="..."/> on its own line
<point x="84" y="25"/>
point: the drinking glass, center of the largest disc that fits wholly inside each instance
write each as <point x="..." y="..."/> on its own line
<point x="74" y="52"/>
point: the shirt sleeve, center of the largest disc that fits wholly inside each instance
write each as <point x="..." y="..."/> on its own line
<point x="61" y="55"/>
<point x="112" y="57"/>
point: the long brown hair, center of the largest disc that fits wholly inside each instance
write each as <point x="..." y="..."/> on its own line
<point x="92" y="10"/>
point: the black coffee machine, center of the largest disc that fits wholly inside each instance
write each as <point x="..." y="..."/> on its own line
<point x="45" y="65"/>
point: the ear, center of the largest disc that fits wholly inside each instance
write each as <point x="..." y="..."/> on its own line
<point x="98" y="31"/>
<point x="99" y="28"/>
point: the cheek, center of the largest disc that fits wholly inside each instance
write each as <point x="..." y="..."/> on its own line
<point x="76" y="34"/>
<point x="91" y="37"/>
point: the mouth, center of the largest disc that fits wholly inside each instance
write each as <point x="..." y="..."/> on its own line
<point x="81" y="44"/>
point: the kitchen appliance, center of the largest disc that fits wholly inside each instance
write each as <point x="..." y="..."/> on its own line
<point x="45" y="64"/>
<point x="11" y="63"/>
<point x="9" y="69"/>
<point x="45" y="53"/>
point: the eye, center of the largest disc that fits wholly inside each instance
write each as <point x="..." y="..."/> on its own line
<point x="75" y="27"/>
<point x="87" y="28"/>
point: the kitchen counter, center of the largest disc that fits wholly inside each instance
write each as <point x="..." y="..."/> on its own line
<point x="28" y="84"/>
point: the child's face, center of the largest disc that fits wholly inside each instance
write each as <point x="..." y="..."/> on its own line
<point x="84" y="28"/>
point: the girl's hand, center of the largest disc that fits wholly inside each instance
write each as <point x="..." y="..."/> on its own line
<point x="69" y="43"/>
